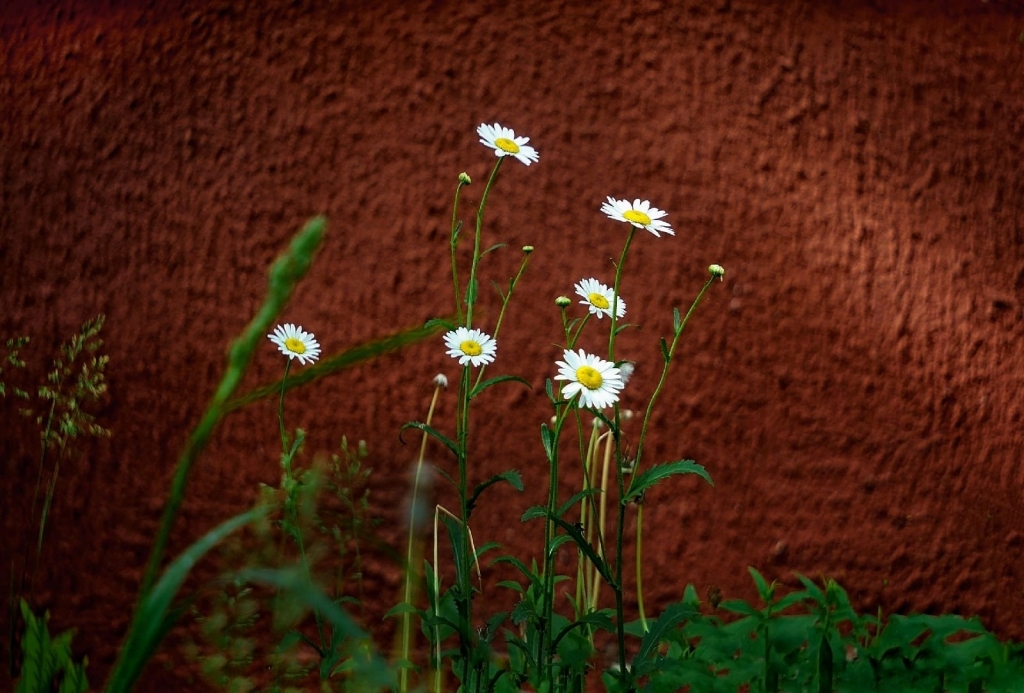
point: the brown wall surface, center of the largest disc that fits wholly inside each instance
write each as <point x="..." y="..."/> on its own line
<point x="853" y="386"/>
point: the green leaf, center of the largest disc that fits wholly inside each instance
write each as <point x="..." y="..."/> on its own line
<point x="471" y="292"/>
<point x="497" y="288"/>
<point x="401" y="608"/>
<point x="664" y="350"/>
<point x="585" y="546"/>
<point x="439" y="324"/>
<point x="738" y="606"/>
<point x="492" y="248"/>
<point x="494" y="381"/>
<point x="547" y="438"/>
<point x="445" y="440"/>
<point x="343" y="360"/>
<point x="530" y="575"/>
<point x="534" y="512"/>
<point x="649" y="477"/>
<point x="676" y="320"/>
<point x="455" y="232"/>
<point x="598" y="619"/>
<point x="511" y="477"/>
<point x="550" y="390"/>
<point x="576" y="498"/>
<point x="766" y="591"/>
<point x="619" y="328"/>
<point x="154" y="616"/>
<point x="673" y="615"/>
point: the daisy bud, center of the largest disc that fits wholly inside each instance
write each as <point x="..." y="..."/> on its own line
<point x="527" y="249"/>
<point x="440" y="380"/>
<point x="717" y="271"/>
<point x="563" y="302"/>
<point x="464" y="178"/>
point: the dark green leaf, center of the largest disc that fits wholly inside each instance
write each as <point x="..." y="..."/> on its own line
<point x="439" y="324"/>
<point x="664" y="350"/>
<point x="673" y="615"/>
<point x="492" y="248"/>
<point x="445" y="440"/>
<point x="494" y="381"/>
<point x="576" y="498"/>
<point x="511" y="477"/>
<point x="649" y="477"/>
<point x="547" y="438"/>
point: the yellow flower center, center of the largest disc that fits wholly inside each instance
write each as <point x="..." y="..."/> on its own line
<point x="637" y="217"/>
<point x="598" y="301"/>
<point x="506" y="145"/>
<point x="296" y="346"/>
<point x="589" y="377"/>
<point x="471" y="347"/>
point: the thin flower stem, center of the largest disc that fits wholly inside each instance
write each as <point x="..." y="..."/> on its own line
<point x="639" y="563"/>
<point x="549" y="568"/>
<point x="664" y="370"/>
<point x="501" y="313"/>
<point x="643" y="434"/>
<point x="615" y="293"/>
<point x="454" y="242"/>
<point x="602" y="517"/>
<point x="412" y="572"/>
<point x="280" y="406"/>
<point x="470" y="288"/>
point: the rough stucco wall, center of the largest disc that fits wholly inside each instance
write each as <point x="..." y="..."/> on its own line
<point x="854" y="386"/>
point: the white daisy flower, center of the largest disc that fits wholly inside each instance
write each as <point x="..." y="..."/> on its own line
<point x="599" y="298"/>
<point x="505" y="143"/>
<point x="597" y="381"/>
<point x="296" y="343"/>
<point x="470" y="346"/>
<point x="640" y="214"/>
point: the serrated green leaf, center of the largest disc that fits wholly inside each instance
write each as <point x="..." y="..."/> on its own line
<point x="439" y="324"/>
<point x="432" y="432"/>
<point x="547" y="438"/>
<point x="494" y="381"/>
<point x="673" y="615"/>
<point x="511" y="477"/>
<point x="649" y="477"/>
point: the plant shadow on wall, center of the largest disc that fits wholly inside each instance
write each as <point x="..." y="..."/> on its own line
<point x="295" y="573"/>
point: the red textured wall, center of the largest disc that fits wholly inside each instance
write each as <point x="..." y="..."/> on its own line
<point x="854" y="386"/>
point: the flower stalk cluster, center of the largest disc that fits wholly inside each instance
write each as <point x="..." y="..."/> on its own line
<point x="585" y="387"/>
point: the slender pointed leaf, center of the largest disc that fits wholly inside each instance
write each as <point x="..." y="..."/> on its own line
<point x="649" y="477"/>
<point x="494" y="381"/>
<point x="432" y="432"/>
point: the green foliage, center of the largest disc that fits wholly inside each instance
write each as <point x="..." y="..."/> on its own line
<point x="813" y="640"/>
<point x="47" y="663"/>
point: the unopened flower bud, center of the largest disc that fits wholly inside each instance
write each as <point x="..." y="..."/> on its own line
<point x="440" y="380"/>
<point x="717" y="271"/>
<point x="464" y="178"/>
<point x="527" y="249"/>
<point x="563" y="301"/>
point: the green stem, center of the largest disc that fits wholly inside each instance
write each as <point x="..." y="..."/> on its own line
<point x="639" y="563"/>
<point x="501" y="313"/>
<point x="678" y="331"/>
<point x="615" y="292"/>
<point x="471" y="287"/>
<point x="411" y="572"/>
<point x="280" y="406"/>
<point x="453" y="242"/>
